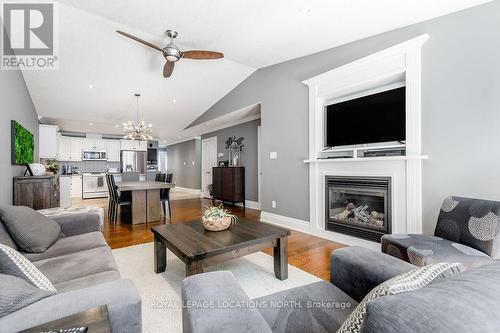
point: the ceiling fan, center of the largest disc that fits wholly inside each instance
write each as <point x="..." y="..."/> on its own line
<point x="172" y="53"/>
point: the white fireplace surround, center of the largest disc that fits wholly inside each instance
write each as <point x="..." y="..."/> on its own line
<point x="397" y="66"/>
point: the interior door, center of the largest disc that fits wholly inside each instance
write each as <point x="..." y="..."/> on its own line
<point x="208" y="161"/>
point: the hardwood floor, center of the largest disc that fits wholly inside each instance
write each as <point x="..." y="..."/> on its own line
<point x="309" y="253"/>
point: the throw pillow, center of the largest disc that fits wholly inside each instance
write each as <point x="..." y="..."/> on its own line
<point x="15" y="294"/>
<point x="5" y="238"/>
<point x="412" y="280"/>
<point x="32" y="231"/>
<point x="15" y="264"/>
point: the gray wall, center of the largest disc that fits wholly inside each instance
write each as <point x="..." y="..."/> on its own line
<point x="249" y="156"/>
<point x="188" y="175"/>
<point x="460" y="111"/>
<point x="15" y="104"/>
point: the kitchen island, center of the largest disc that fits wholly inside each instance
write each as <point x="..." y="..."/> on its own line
<point x="146" y="204"/>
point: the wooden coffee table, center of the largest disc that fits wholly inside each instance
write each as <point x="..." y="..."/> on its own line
<point x="199" y="248"/>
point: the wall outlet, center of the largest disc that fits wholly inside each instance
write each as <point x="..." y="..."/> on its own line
<point x="273" y="204"/>
<point x="273" y="155"/>
<point x="184" y="162"/>
<point x="193" y="162"/>
<point x="220" y="154"/>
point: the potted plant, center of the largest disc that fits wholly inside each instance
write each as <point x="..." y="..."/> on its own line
<point x="52" y="167"/>
<point x="218" y="218"/>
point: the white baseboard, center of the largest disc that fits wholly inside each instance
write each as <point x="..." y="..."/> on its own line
<point x="285" y="221"/>
<point x="305" y="227"/>
<point x="190" y="190"/>
<point x="250" y="204"/>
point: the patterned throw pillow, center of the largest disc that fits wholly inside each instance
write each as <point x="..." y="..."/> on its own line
<point x="15" y="264"/>
<point x="409" y="281"/>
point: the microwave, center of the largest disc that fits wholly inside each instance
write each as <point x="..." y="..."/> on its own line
<point x="94" y="155"/>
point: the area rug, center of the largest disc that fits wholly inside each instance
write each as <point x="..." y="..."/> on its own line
<point x="161" y="293"/>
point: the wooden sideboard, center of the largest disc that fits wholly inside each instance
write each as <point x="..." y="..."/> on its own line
<point x="37" y="192"/>
<point x="229" y="184"/>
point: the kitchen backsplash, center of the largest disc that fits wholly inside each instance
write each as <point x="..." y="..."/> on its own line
<point x="89" y="166"/>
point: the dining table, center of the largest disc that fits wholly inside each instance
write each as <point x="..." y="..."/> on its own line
<point x="146" y="201"/>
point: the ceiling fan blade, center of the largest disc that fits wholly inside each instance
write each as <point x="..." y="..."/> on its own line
<point x="137" y="39"/>
<point x="202" y="55"/>
<point x="168" y="69"/>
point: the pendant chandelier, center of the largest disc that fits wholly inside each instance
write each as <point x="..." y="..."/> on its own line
<point x="137" y="130"/>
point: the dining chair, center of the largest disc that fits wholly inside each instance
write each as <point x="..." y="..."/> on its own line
<point x="165" y="194"/>
<point x="151" y="175"/>
<point x="118" y="200"/>
<point x="131" y="176"/>
<point x="110" y="196"/>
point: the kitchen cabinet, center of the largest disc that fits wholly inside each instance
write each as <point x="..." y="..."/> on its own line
<point x="76" y="149"/>
<point x="134" y="145"/>
<point x="95" y="144"/>
<point x="113" y="150"/>
<point x="64" y="149"/>
<point x="47" y="135"/>
<point x="76" y="186"/>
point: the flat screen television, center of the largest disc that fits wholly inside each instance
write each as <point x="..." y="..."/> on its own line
<point x="375" y="118"/>
<point x="22" y="143"/>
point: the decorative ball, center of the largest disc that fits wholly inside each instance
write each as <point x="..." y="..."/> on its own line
<point x="38" y="169"/>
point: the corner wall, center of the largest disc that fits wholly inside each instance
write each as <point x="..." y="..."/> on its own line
<point x="15" y="104"/>
<point x="460" y="111"/>
<point x="180" y="158"/>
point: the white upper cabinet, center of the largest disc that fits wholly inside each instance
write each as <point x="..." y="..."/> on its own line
<point x="95" y="144"/>
<point x="113" y="150"/>
<point x="134" y="145"/>
<point x="77" y="149"/>
<point x="48" y="141"/>
<point x="64" y="149"/>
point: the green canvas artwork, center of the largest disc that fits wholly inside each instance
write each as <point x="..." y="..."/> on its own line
<point x="23" y="144"/>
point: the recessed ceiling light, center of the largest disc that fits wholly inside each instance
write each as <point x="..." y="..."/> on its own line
<point x="179" y="136"/>
<point x="91" y="86"/>
<point x="117" y="126"/>
<point x="207" y="125"/>
<point x="174" y="100"/>
<point x="91" y="124"/>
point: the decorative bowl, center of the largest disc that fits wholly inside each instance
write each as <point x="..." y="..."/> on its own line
<point x="217" y="224"/>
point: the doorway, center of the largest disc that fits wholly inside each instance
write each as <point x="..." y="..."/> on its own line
<point x="208" y="161"/>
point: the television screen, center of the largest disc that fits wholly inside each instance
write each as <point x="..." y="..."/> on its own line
<point x="23" y="144"/>
<point x="370" y="119"/>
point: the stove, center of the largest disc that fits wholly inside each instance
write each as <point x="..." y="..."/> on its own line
<point x="94" y="185"/>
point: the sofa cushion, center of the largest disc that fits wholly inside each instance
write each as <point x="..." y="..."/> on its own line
<point x="68" y="245"/>
<point x="16" y="293"/>
<point x="15" y="264"/>
<point x="422" y="250"/>
<point x="32" y="231"/>
<point x="5" y="237"/>
<point x="463" y="303"/>
<point x="403" y="283"/>
<point x="77" y="265"/>
<point x="317" y="307"/>
<point x="87" y="281"/>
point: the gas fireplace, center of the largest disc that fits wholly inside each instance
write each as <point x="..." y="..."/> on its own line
<point x="359" y="206"/>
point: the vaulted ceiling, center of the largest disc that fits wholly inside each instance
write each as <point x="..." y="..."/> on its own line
<point x="99" y="70"/>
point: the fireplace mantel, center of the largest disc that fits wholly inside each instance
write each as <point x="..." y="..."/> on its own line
<point x="395" y="66"/>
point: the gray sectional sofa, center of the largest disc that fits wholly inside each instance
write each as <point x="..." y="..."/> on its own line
<point x="467" y="302"/>
<point x="81" y="267"/>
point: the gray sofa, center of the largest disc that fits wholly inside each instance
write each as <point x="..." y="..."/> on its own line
<point x="81" y="267"/>
<point x="468" y="302"/>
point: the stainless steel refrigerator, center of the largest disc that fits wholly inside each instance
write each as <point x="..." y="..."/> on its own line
<point x="133" y="161"/>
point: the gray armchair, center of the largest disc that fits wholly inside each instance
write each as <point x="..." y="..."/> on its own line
<point x="467" y="231"/>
